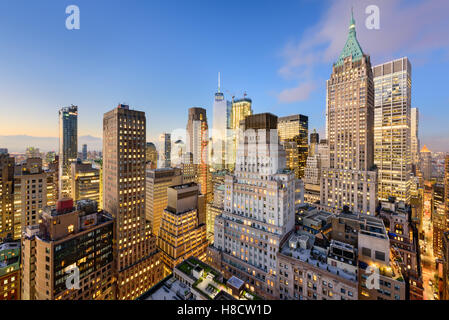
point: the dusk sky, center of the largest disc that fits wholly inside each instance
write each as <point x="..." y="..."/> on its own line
<point x="162" y="57"/>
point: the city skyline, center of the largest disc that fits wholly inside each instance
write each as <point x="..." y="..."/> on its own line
<point x="269" y="74"/>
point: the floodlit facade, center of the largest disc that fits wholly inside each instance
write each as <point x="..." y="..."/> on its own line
<point x="85" y="181"/>
<point x="137" y="262"/>
<point x="68" y="146"/>
<point x="293" y="132"/>
<point x="157" y="182"/>
<point x="392" y="128"/>
<point x="30" y="193"/>
<point x="197" y="146"/>
<point x="182" y="232"/>
<point x="9" y="223"/>
<point x="259" y="208"/>
<point x="241" y="108"/>
<point x="350" y="179"/>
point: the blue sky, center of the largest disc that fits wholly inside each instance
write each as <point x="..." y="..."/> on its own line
<point x="163" y="57"/>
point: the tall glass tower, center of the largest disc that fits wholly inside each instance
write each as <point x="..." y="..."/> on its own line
<point x="68" y="146"/>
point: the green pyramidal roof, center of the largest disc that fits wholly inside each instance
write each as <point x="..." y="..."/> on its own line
<point x="352" y="46"/>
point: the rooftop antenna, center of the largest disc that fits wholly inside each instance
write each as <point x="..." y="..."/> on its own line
<point x="244" y="94"/>
<point x="219" y="82"/>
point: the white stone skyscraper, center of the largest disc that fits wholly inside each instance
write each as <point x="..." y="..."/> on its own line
<point x="350" y="180"/>
<point x="392" y="112"/>
<point x="259" y="208"/>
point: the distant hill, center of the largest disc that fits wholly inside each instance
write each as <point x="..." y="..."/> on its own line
<point x="19" y="143"/>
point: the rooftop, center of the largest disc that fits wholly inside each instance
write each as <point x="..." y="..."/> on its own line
<point x="314" y="257"/>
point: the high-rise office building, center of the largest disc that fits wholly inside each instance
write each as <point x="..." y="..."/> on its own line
<point x="259" y="208"/>
<point x="314" y="141"/>
<point x="137" y="258"/>
<point x="30" y="193"/>
<point x="8" y="222"/>
<point x="165" y="150"/>
<point x="182" y="232"/>
<point x="392" y="134"/>
<point x="68" y="146"/>
<point x="177" y="153"/>
<point x="84" y="153"/>
<point x="439" y="218"/>
<point x="295" y="129"/>
<point x="240" y="109"/>
<point x="151" y="155"/>
<point x="350" y="179"/>
<point x="221" y="124"/>
<point x="85" y="181"/>
<point x="426" y="163"/>
<point x="446" y="187"/>
<point x="69" y="240"/>
<point x="414" y="137"/>
<point x="197" y="146"/>
<point x="157" y="182"/>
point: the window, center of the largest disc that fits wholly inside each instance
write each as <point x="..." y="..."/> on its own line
<point x="366" y="252"/>
<point x="380" y="255"/>
<point x="70" y="228"/>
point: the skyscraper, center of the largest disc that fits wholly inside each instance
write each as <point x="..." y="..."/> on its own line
<point x="241" y="108"/>
<point x="350" y="181"/>
<point x="295" y="129"/>
<point x="392" y="141"/>
<point x="137" y="259"/>
<point x="84" y="152"/>
<point x="446" y="187"/>
<point x="8" y="222"/>
<point x="165" y="150"/>
<point x="221" y="121"/>
<point x="415" y="143"/>
<point x="197" y="146"/>
<point x="259" y="208"/>
<point x="68" y="146"/>
<point x="314" y="141"/>
<point x="151" y="155"/>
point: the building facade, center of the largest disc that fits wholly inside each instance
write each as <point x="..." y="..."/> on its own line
<point x="259" y="208"/>
<point x="294" y="132"/>
<point x="85" y="181"/>
<point x="68" y="147"/>
<point x="350" y="179"/>
<point x="414" y="137"/>
<point x="182" y="232"/>
<point x="9" y="223"/>
<point x="157" y="182"/>
<point x="137" y="262"/>
<point x="392" y="128"/>
<point x="69" y="241"/>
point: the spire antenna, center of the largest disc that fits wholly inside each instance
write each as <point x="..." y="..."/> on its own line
<point x="218" y="81"/>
